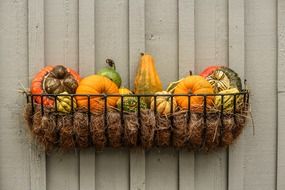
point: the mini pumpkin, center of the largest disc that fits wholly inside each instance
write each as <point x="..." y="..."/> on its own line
<point x="111" y="73"/>
<point x="54" y="80"/>
<point x="96" y="84"/>
<point x="147" y="80"/>
<point x="64" y="103"/>
<point x="194" y="84"/>
<point x="163" y="103"/>
<point x="228" y="103"/>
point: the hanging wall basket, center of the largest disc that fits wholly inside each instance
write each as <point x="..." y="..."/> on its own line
<point x="203" y="129"/>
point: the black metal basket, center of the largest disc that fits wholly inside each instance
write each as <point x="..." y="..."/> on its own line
<point x="187" y="112"/>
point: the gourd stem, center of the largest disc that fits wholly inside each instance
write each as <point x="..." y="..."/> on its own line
<point x="142" y="54"/>
<point x="111" y="63"/>
<point x="190" y="73"/>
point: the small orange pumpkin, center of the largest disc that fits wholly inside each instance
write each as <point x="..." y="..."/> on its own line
<point x="194" y="85"/>
<point x="96" y="84"/>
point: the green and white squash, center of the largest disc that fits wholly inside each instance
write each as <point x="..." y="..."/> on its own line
<point x="219" y="81"/>
<point x="229" y="100"/>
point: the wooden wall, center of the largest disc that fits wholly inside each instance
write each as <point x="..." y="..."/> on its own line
<point x="182" y="35"/>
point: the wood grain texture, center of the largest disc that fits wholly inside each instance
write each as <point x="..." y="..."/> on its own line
<point x="261" y="62"/>
<point x="237" y="63"/>
<point x="281" y="96"/>
<point x="162" y="43"/>
<point x="111" y="36"/>
<point x="186" y="62"/>
<point x="14" y="144"/>
<point x="36" y="63"/>
<point x="61" y="47"/>
<point x="136" y="46"/>
<point x="211" y="26"/>
<point x="86" y="56"/>
<point x="112" y="169"/>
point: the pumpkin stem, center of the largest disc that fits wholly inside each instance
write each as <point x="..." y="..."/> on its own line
<point x="142" y="54"/>
<point x="190" y="73"/>
<point x="111" y="63"/>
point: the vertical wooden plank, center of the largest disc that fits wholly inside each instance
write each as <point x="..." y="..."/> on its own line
<point x="86" y="67"/>
<point x="281" y="96"/>
<point x="261" y="63"/>
<point x="211" y="26"/>
<point x="237" y="63"/>
<point x="136" y="46"/>
<point x="14" y="145"/>
<point x="186" y="55"/>
<point x="111" y="24"/>
<point x="61" y="47"/>
<point x="36" y="62"/>
<point x="162" y="43"/>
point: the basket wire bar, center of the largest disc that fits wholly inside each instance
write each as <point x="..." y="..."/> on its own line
<point x="31" y="99"/>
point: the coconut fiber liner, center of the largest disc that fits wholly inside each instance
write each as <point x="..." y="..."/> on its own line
<point x="194" y="131"/>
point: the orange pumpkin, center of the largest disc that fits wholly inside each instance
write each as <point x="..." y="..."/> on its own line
<point x="194" y="85"/>
<point x="54" y="80"/>
<point x="147" y="80"/>
<point x="96" y="84"/>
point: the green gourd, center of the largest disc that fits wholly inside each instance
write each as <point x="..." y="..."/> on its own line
<point x="111" y="73"/>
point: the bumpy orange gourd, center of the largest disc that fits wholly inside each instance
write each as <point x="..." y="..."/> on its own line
<point x="54" y="80"/>
<point x="194" y="85"/>
<point x="96" y="84"/>
<point x="147" y="80"/>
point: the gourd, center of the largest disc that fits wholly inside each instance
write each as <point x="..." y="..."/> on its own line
<point x="111" y="73"/>
<point x="96" y="84"/>
<point x="64" y="103"/>
<point x="124" y="91"/>
<point x="147" y="80"/>
<point x="228" y="103"/>
<point x="194" y="84"/>
<point x="131" y="104"/>
<point x="219" y="81"/>
<point x="163" y="103"/>
<point x="54" y="80"/>
<point x="235" y="81"/>
<point x="209" y="70"/>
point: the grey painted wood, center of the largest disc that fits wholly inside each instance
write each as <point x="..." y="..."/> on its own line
<point x="61" y="47"/>
<point x="281" y="96"/>
<point x="14" y="144"/>
<point x="178" y="34"/>
<point x="186" y="62"/>
<point x="111" y="36"/>
<point x="261" y="54"/>
<point x="36" y="62"/>
<point x="211" y="25"/>
<point x="136" y="46"/>
<point x="237" y="62"/>
<point x="86" y="29"/>
<point x="161" y="31"/>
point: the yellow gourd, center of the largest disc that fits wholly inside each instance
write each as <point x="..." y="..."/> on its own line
<point x="147" y="80"/>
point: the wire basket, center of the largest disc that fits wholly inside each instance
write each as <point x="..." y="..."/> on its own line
<point x="201" y="130"/>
